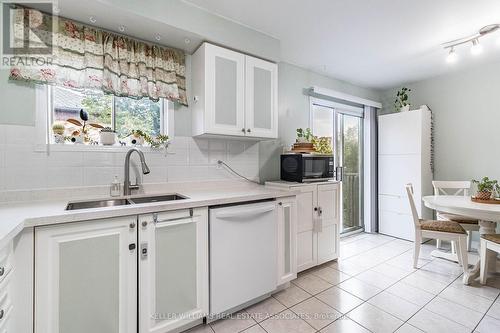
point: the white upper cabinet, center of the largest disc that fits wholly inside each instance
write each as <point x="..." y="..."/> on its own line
<point x="261" y="103"/>
<point x="234" y="94"/>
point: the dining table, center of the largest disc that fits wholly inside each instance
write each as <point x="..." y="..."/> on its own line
<point x="487" y="214"/>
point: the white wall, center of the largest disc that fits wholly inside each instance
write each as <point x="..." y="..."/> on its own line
<point x="466" y="108"/>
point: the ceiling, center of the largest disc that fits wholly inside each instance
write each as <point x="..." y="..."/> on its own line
<point x="371" y="43"/>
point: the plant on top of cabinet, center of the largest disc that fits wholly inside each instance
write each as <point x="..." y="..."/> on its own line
<point x="402" y="100"/>
<point x="485" y="188"/>
<point x="304" y="136"/>
<point x="323" y="145"/>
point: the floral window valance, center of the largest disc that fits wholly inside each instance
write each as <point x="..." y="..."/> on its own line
<point x="84" y="57"/>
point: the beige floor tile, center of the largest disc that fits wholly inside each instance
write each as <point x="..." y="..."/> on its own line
<point x="291" y="296"/>
<point x="331" y="275"/>
<point x="316" y="313"/>
<point x="494" y="311"/>
<point x="407" y="328"/>
<point x="394" y="305"/>
<point x="466" y="299"/>
<point x="311" y="283"/>
<point x="238" y="322"/>
<point x="344" y="325"/>
<point x="477" y="289"/>
<point x="254" y="329"/>
<point x="339" y="299"/>
<point x="392" y="271"/>
<point x="488" y="325"/>
<point x="444" y="267"/>
<point x="424" y="283"/>
<point x="201" y="329"/>
<point x="265" y="309"/>
<point x="349" y="267"/>
<point x="374" y="319"/>
<point x="286" y="322"/>
<point x="456" y="312"/>
<point x="376" y="279"/>
<point x="442" y="278"/>
<point x="410" y="293"/>
<point x="430" y="322"/>
<point x="359" y="288"/>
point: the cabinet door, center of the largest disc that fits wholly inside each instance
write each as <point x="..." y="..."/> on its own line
<point x="328" y="222"/>
<point x="86" y="277"/>
<point x="225" y="87"/>
<point x="261" y="111"/>
<point x="173" y="269"/>
<point x="287" y="236"/>
<point x="306" y="235"/>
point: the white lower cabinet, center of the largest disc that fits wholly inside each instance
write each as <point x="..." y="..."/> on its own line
<point x="318" y="222"/>
<point x="287" y="240"/>
<point x="122" y="275"/>
<point x="86" y="277"/>
<point x="173" y="269"/>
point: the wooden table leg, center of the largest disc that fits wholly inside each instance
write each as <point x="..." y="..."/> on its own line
<point x="485" y="227"/>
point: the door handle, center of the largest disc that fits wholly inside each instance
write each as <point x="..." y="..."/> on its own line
<point x="144" y="250"/>
<point x="339" y="173"/>
<point x="245" y="213"/>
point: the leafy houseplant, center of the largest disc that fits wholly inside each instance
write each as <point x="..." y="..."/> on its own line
<point x="304" y="136"/>
<point x="323" y="145"/>
<point x="402" y="100"/>
<point x="485" y="188"/>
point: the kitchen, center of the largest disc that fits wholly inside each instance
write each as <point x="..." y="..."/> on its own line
<point x="195" y="172"/>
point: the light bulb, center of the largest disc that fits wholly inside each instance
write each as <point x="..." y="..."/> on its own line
<point x="452" y="56"/>
<point x="476" y="48"/>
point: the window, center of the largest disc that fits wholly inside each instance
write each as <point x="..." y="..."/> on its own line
<point x="122" y="114"/>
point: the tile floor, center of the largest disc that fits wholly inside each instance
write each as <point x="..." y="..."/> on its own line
<point x="374" y="288"/>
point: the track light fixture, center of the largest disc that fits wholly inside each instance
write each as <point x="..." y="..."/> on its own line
<point x="476" y="47"/>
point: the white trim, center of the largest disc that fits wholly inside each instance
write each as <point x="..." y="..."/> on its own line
<point x="369" y="177"/>
<point x="341" y="108"/>
<point x="343" y="96"/>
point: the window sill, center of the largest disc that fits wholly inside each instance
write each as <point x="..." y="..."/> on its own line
<point x="95" y="148"/>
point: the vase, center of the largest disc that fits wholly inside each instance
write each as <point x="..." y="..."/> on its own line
<point x="107" y="138"/>
<point x="483" y="195"/>
<point x="405" y="108"/>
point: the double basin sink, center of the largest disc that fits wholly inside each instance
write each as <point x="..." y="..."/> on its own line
<point x="123" y="201"/>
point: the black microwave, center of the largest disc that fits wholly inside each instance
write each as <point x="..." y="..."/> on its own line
<point x="306" y="167"/>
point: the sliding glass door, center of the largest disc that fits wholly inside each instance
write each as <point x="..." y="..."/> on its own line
<point x="343" y="124"/>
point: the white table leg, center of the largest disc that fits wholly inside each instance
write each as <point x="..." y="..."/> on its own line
<point x="485" y="227"/>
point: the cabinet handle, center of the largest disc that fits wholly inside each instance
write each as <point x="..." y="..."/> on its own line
<point x="249" y="130"/>
<point x="144" y="224"/>
<point x="320" y="211"/>
<point x="144" y="250"/>
<point x="280" y="203"/>
<point x="315" y="209"/>
<point x="131" y="247"/>
<point x="2" y="271"/>
<point x="132" y="225"/>
<point x="2" y="312"/>
<point x="243" y="130"/>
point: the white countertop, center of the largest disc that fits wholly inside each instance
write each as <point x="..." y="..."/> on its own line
<point x="14" y="217"/>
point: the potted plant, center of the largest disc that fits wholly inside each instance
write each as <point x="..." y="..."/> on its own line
<point x="107" y="136"/>
<point x="485" y="188"/>
<point x="137" y="137"/>
<point x="323" y="145"/>
<point x="402" y="103"/>
<point x="304" y="136"/>
<point x="58" y="129"/>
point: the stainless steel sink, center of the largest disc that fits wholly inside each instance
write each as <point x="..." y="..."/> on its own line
<point x="157" y="198"/>
<point x="97" y="204"/>
<point x="123" y="201"/>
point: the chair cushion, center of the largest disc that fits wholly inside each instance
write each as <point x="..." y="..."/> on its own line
<point x="442" y="226"/>
<point x="458" y="218"/>
<point x="495" y="238"/>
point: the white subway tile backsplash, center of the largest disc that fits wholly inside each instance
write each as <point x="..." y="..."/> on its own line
<point x="22" y="168"/>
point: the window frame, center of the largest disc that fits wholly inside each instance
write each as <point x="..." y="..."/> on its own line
<point x="44" y="120"/>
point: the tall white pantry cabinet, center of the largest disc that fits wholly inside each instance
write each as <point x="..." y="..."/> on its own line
<point x="404" y="156"/>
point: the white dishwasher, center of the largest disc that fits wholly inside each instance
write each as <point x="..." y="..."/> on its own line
<point x="242" y="254"/>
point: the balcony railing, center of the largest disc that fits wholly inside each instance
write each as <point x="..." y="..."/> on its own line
<point x="351" y="200"/>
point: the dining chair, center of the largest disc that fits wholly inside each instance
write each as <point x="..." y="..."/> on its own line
<point x="489" y="242"/>
<point x="455" y="188"/>
<point x="445" y="230"/>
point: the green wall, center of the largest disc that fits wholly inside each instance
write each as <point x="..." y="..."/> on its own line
<point x="17" y="102"/>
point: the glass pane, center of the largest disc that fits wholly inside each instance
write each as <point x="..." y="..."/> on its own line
<point x="67" y="104"/>
<point x="89" y="285"/>
<point x="137" y="114"/>
<point x="286" y="211"/>
<point x="350" y="139"/>
<point x="225" y="91"/>
<point x="262" y="98"/>
<point x="175" y="269"/>
<point x="322" y="121"/>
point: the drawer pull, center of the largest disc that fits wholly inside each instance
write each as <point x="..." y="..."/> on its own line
<point x="2" y="312"/>
<point x="2" y="271"/>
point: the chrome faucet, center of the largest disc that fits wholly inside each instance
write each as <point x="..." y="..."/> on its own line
<point x="127" y="187"/>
